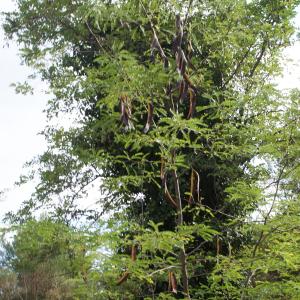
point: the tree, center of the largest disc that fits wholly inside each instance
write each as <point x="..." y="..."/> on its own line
<point x="48" y="260"/>
<point x="173" y="105"/>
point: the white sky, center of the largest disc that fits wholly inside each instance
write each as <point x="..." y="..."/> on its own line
<point x="21" y="117"/>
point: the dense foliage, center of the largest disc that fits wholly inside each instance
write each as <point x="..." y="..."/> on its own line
<point x="174" y="113"/>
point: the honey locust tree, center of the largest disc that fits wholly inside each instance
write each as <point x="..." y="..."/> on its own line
<point x="176" y="116"/>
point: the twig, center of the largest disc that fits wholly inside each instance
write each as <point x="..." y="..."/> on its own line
<point x="163" y="269"/>
<point x="197" y="248"/>
<point x="261" y="235"/>
<point x="187" y="12"/>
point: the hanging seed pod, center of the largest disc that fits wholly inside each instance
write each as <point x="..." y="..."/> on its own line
<point x="133" y="252"/>
<point x="194" y="187"/>
<point x="149" y="117"/>
<point x="125" y="108"/>
<point x="125" y="276"/>
<point x="168" y="196"/>
<point x="192" y="107"/>
<point x="179" y="34"/>
<point x="172" y="283"/>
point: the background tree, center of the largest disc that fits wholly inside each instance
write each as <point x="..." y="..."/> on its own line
<point x="47" y="260"/>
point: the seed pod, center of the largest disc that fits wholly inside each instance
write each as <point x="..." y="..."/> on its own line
<point x="149" y="117"/>
<point x="168" y="196"/>
<point x="172" y="283"/>
<point x="192" y="106"/>
<point x="123" y="278"/>
<point x="133" y="252"/>
<point x="194" y="186"/>
<point x="125" y="108"/>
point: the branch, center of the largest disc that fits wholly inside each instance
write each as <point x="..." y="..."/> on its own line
<point x="237" y="67"/>
<point x="197" y="248"/>
<point x="261" y="235"/>
<point x="188" y="12"/>
<point x="163" y="269"/>
<point x="259" y="58"/>
<point x="95" y="36"/>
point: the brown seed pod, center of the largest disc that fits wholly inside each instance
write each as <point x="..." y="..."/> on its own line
<point x="133" y="252"/>
<point x="168" y="196"/>
<point x="149" y="117"/>
<point x="172" y="283"/>
<point x="192" y="106"/>
<point x="125" y="108"/>
<point x="194" y="186"/>
<point x="125" y="276"/>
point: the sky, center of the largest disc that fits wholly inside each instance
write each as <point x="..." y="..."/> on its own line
<point x="21" y="117"/>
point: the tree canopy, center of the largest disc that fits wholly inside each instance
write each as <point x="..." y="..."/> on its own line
<point x="173" y="112"/>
